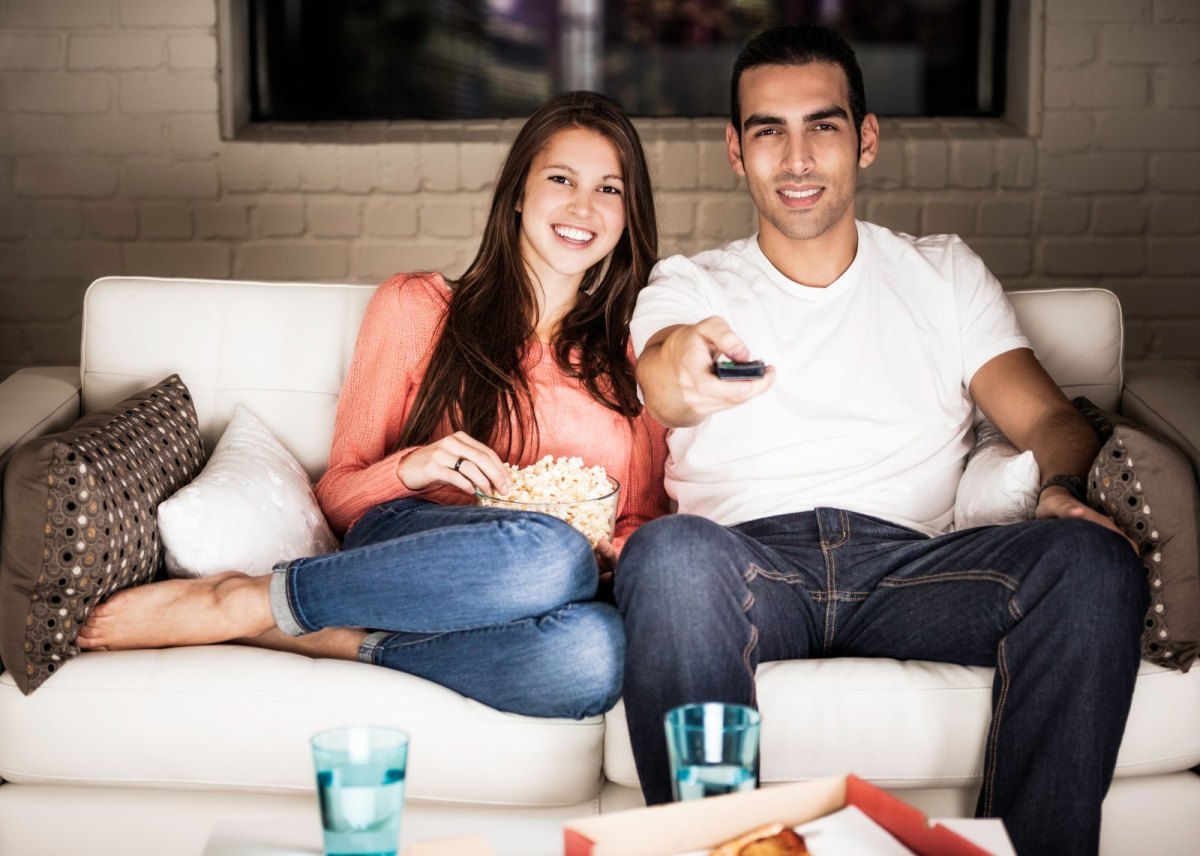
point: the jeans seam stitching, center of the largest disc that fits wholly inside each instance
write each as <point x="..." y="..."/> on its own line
<point x="752" y="642"/>
<point x="993" y="738"/>
<point x="289" y="583"/>
<point x="828" y="595"/>
<point x="827" y="549"/>
<point x="954" y="576"/>
<point x="777" y="576"/>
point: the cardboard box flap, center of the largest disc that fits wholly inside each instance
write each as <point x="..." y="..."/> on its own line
<point x="679" y="827"/>
<point x="702" y="824"/>
<point x="909" y="826"/>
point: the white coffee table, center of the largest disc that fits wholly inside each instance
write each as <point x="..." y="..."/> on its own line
<point x="515" y="836"/>
<point x="298" y="831"/>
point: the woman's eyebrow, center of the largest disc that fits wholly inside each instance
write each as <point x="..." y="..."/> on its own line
<point x="566" y="168"/>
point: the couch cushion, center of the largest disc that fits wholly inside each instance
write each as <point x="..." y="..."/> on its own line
<point x="1146" y="485"/>
<point x="281" y="349"/>
<point x="916" y="724"/>
<point x="79" y="520"/>
<point x="1078" y="335"/>
<point x="251" y="507"/>
<point x="999" y="484"/>
<point x="232" y="717"/>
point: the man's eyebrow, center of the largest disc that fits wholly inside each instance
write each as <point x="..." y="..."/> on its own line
<point x="573" y="171"/>
<point x="755" y="119"/>
<point x="830" y="112"/>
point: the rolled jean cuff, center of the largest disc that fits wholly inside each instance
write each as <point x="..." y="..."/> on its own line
<point x="281" y="608"/>
<point x="368" y="648"/>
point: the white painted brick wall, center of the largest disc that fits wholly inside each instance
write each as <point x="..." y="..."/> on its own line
<point x="1168" y="11"/>
<point x="192" y="52"/>
<point x="55" y="92"/>
<point x="30" y="51"/>
<point x="115" y="52"/>
<point x="111" y="161"/>
<point x="58" y="14"/>
<point x="334" y="218"/>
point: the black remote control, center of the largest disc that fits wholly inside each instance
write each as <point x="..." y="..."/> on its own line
<point x="731" y="370"/>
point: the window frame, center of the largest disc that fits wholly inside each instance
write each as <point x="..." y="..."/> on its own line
<point x="1022" y="111"/>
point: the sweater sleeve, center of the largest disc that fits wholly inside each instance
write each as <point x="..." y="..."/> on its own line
<point x="400" y="320"/>
<point x="647" y="496"/>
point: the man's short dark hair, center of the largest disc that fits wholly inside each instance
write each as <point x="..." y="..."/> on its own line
<point x="799" y="44"/>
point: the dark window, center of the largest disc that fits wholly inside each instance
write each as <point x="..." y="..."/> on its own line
<point x="481" y="59"/>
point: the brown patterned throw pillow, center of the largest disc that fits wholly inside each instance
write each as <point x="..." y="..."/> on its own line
<point x="1147" y="486"/>
<point x="79" y="520"/>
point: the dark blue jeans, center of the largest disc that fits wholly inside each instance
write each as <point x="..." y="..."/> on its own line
<point x="492" y="603"/>
<point x="1054" y="605"/>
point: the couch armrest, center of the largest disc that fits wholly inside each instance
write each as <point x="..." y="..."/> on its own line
<point x="34" y="402"/>
<point x="1167" y="399"/>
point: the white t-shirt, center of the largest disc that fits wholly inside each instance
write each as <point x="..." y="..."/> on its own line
<point x="869" y="411"/>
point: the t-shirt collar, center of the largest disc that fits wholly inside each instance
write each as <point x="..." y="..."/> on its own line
<point x="842" y="285"/>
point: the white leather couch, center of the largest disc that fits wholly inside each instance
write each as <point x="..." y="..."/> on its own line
<point x="148" y="752"/>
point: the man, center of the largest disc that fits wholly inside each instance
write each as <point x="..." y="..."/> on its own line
<point x="813" y="500"/>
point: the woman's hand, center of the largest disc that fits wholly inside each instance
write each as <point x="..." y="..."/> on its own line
<point x="606" y="558"/>
<point x="458" y="460"/>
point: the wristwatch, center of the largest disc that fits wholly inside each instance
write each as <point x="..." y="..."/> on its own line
<point x="1074" y="485"/>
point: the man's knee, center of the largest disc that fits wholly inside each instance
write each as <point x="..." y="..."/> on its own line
<point x="672" y="555"/>
<point x="1102" y="574"/>
<point x="673" y="538"/>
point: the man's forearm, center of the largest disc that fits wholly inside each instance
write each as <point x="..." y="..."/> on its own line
<point x="658" y="378"/>
<point x="1063" y="444"/>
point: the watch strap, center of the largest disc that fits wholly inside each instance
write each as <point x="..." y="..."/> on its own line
<point x="1073" y="484"/>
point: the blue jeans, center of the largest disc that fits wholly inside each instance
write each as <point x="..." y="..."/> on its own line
<point x="489" y="602"/>
<point x="1054" y="605"/>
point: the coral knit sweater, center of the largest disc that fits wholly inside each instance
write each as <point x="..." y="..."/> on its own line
<point x="399" y="329"/>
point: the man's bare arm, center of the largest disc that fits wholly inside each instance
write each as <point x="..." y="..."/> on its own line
<point x="675" y="372"/>
<point x="1021" y="399"/>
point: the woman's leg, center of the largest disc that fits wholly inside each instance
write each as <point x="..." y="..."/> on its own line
<point x="567" y="663"/>
<point x="332" y="643"/>
<point x="411" y="566"/>
<point x="171" y="613"/>
<point x="417" y="567"/>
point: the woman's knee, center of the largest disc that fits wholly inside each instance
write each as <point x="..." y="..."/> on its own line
<point x="594" y="658"/>
<point x="556" y="554"/>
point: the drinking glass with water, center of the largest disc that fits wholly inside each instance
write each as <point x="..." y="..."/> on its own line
<point x="360" y="785"/>
<point x="713" y="749"/>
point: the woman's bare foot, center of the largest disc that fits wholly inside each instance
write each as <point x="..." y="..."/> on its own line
<point x="181" y="612"/>
<point x="332" y="643"/>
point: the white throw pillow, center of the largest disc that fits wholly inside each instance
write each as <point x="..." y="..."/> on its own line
<point x="1000" y="484"/>
<point x="251" y="506"/>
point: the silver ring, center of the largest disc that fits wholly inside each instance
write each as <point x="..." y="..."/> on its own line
<point x="458" y="464"/>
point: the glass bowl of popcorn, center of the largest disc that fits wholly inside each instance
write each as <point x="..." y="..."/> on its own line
<point x="585" y="497"/>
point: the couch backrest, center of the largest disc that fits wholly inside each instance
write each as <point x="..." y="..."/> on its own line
<point x="1079" y="336"/>
<point x="280" y="349"/>
<point x="283" y="349"/>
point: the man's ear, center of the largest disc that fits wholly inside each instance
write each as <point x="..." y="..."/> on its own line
<point x="868" y="146"/>
<point x="733" y="149"/>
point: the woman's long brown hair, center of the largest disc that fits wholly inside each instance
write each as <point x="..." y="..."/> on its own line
<point x="475" y="377"/>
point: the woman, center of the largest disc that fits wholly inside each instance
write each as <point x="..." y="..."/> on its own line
<point x="528" y="355"/>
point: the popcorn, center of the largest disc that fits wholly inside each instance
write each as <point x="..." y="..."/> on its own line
<point x="584" y="497"/>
